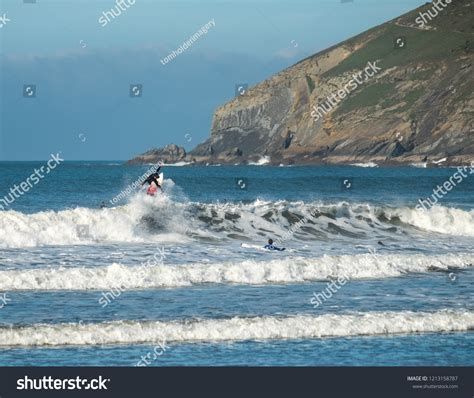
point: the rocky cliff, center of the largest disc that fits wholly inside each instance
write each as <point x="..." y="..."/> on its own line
<point x="169" y="154"/>
<point x="418" y="106"/>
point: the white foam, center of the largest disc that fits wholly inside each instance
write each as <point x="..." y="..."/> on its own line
<point x="261" y="162"/>
<point x="368" y="164"/>
<point x="87" y="226"/>
<point x="422" y="165"/>
<point x="178" y="164"/>
<point x="125" y="223"/>
<point x="444" y="220"/>
<point x="275" y="271"/>
<point x="239" y="329"/>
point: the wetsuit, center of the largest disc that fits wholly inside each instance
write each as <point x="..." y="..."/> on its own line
<point x="271" y="247"/>
<point x="153" y="178"/>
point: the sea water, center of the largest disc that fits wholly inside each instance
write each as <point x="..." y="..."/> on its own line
<point x="90" y="281"/>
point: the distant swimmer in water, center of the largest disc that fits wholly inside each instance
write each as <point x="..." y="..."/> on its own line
<point x="271" y="246"/>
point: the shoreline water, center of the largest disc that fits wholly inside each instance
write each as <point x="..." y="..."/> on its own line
<point x="411" y="275"/>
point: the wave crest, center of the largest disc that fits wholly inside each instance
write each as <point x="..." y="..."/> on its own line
<point x="286" y="270"/>
<point x="147" y="219"/>
<point x="238" y="329"/>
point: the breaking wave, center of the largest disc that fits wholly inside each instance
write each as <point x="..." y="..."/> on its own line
<point x="365" y="165"/>
<point x="147" y="219"/>
<point x="238" y="329"/>
<point x="281" y="271"/>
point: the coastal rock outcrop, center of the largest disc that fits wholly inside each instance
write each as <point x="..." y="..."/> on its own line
<point x="419" y="105"/>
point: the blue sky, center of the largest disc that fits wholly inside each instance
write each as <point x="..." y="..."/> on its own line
<point x="83" y="71"/>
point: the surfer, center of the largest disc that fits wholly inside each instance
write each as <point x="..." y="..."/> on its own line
<point x="154" y="181"/>
<point x="153" y="178"/>
<point x="271" y="246"/>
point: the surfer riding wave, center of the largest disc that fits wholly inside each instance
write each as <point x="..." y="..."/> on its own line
<point x="154" y="181"/>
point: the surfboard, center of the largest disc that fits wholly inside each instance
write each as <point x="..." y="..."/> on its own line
<point x="160" y="179"/>
<point x="248" y="246"/>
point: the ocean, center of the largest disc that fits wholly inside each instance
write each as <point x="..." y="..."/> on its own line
<point x="182" y="278"/>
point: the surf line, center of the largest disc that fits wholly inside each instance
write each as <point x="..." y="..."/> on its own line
<point x="114" y="292"/>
